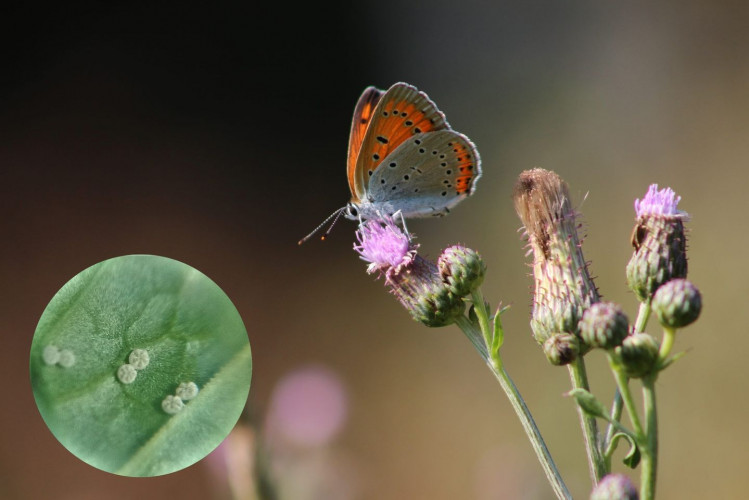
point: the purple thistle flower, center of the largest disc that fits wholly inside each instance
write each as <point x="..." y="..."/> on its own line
<point x="659" y="241"/>
<point x="384" y="245"/>
<point x="659" y="202"/>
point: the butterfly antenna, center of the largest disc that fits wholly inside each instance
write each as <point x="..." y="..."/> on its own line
<point x="335" y="214"/>
<point x="338" y="216"/>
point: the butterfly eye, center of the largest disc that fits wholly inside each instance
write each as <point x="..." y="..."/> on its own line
<point x="351" y="211"/>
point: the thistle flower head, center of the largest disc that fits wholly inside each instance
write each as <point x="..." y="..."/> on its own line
<point x="657" y="202"/>
<point x="415" y="281"/>
<point x="659" y="241"/>
<point x="563" y="286"/>
<point x="677" y="303"/>
<point x="562" y="348"/>
<point x="614" y="487"/>
<point x="638" y="354"/>
<point x="604" y="325"/>
<point x="383" y="244"/>
<point x="462" y="269"/>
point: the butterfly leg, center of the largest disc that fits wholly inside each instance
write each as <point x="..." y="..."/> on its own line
<point x="397" y="214"/>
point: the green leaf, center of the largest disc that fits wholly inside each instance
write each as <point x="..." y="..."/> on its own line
<point x="191" y="332"/>
<point x="498" y="332"/>
<point x="632" y="459"/>
<point x="588" y="403"/>
<point x="672" y="360"/>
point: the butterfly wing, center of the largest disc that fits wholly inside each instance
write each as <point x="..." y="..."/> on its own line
<point x="426" y="175"/>
<point x="362" y="116"/>
<point x="399" y="114"/>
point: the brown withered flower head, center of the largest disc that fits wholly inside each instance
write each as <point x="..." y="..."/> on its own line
<point x="563" y="287"/>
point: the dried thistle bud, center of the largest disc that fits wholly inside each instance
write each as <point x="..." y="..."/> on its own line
<point x="461" y="269"/>
<point x="659" y="241"/>
<point x="677" y="303"/>
<point x="638" y="354"/>
<point x="563" y="286"/>
<point x="562" y="349"/>
<point x="614" y="487"/>
<point x="415" y="281"/>
<point x="604" y="325"/>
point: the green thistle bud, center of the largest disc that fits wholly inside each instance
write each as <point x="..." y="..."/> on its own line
<point x="462" y="269"/>
<point x="677" y="303"/>
<point x="659" y="241"/>
<point x="434" y="305"/>
<point x="420" y="289"/>
<point x="563" y="286"/>
<point x="638" y="354"/>
<point x="604" y="325"/>
<point x="562" y="349"/>
<point x="614" y="487"/>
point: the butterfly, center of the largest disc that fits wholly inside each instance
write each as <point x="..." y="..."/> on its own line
<point x="403" y="158"/>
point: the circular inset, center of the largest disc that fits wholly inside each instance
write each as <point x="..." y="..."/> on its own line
<point x="105" y="408"/>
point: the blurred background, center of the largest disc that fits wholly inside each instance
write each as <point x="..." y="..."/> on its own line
<point x="217" y="135"/>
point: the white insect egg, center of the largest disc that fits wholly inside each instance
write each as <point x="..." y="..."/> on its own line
<point x="127" y="373"/>
<point x="51" y="355"/>
<point x="187" y="390"/>
<point x="67" y="358"/>
<point x="139" y="358"/>
<point x="172" y="404"/>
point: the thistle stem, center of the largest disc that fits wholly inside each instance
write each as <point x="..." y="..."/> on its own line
<point x="622" y="381"/>
<point x="494" y="361"/>
<point x="616" y="415"/>
<point x="650" y="446"/>
<point x="669" y="334"/>
<point x="479" y="307"/>
<point x="643" y="314"/>
<point x="531" y="430"/>
<point x="596" y="461"/>
<point x="474" y="335"/>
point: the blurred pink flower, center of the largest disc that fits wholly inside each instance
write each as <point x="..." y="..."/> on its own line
<point x="308" y="407"/>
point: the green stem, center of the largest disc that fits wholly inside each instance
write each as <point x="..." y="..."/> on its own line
<point x="479" y="307"/>
<point x="531" y="430"/>
<point x="643" y="314"/>
<point x="669" y="334"/>
<point x="650" y="448"/>
<point x="494" y="361"/>
<point x="474" y="335"/>
<point x="596" y="461"/>
<point x="623" y="384"/>
<point x="616" y="415"/>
